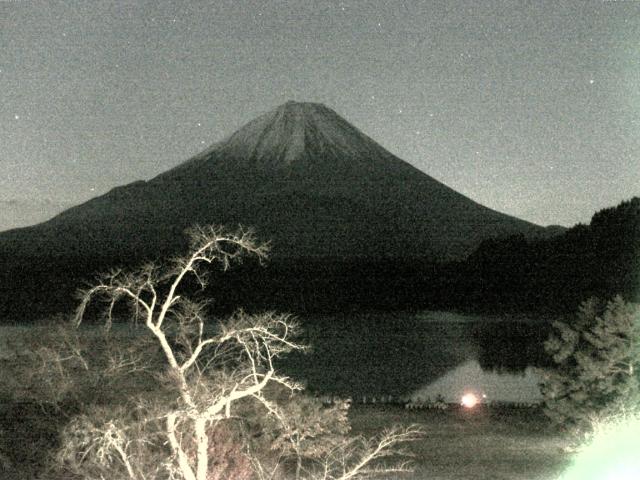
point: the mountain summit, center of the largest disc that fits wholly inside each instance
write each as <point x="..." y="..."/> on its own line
<point x="301" y="140"/>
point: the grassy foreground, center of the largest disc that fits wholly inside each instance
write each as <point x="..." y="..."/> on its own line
<point x="498" y="443"/>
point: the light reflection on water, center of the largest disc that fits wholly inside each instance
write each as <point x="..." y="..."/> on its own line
<point x="470" y="377"/>
<point x="400" y="355"/>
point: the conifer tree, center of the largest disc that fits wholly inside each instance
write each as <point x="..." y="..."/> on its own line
<point x="597" y="359"/>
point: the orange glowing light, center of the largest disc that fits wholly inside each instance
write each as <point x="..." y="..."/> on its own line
<point x="469" y="400"/>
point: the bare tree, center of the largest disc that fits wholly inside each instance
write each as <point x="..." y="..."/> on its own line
<point x="360" y="457"/>
<point x="213" y="371"/>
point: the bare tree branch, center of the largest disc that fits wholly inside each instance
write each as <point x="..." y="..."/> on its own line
<point x="211" y="373"/>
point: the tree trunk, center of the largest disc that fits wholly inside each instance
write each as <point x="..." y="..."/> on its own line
<point x="202" y="440"/>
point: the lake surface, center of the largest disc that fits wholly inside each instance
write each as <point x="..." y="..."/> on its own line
<point x="407" y="355"/>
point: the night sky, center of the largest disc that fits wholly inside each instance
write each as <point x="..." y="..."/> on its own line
<point x="530" y="108"/>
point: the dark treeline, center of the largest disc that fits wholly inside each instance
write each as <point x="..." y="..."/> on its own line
<point x="601" y="259"/>
<point x="504" y="275"/>
<point x="514" y="274"/>
<point x="553" y="275"/>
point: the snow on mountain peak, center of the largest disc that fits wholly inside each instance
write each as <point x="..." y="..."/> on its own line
<point x="296" y="133"/>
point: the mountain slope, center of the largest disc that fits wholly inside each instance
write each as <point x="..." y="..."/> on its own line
<point x="304" y="177"/>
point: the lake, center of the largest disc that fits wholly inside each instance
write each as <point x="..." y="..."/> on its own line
<point x="407" y="355"/>
<point x="426" y="354"/>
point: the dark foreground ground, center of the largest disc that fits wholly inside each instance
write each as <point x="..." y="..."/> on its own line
<point x="481" y="444"/>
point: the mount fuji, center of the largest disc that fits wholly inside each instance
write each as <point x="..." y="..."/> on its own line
<point x="306" y="179"/>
